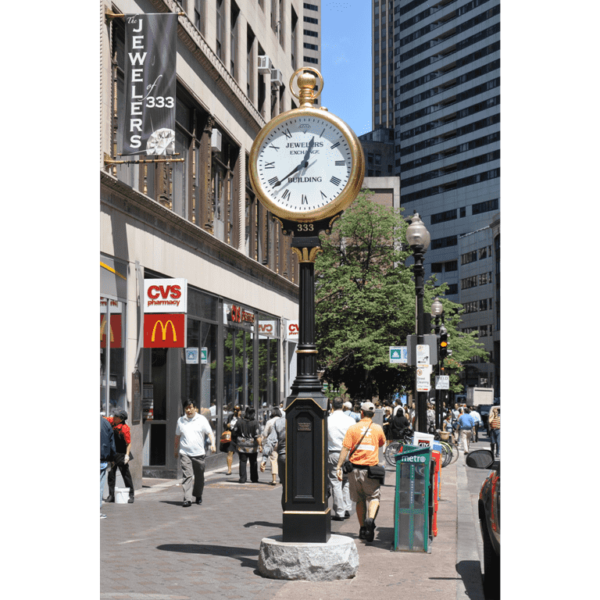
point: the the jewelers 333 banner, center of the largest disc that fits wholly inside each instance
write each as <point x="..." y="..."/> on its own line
<point x="148" y="126"/>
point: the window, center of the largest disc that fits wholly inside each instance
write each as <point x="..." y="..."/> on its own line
<point x="452" y="289"/>
<point x="468" y="282"/>
<point x="198" y="14"/>
<point x="310" y="6"/>
<point x="437" y="267"/>
<point x="235" y="11"/>
<point x="311" y="20"/>
<point x="452" y="265"/>
<point x="485" y="278"/>
<point x="293" y="41"/>
<point x="468" y="257"/>
<point x="442" y="217"/>
<point x="445" y="242"/>
<point x="483" y="207"/>
<point x="463" y="211"/>
<point x="470" y="307"/>
<point x="220" y="32"/>
<point x="311" y="33"/>
<point x="311" y="60"/>
<point x="311" y="46"/>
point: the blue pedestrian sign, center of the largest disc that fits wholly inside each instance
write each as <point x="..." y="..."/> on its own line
<point x="191" y="356"/>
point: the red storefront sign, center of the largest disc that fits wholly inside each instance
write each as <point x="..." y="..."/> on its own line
<point x="114" y="332"/>
<point x="164" y="330"/>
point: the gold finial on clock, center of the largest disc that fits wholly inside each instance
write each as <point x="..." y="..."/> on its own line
<point x="306" y="84"/>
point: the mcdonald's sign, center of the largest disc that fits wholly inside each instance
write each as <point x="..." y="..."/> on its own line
<point x="164" y="331"/>
<point x="113" y="332"/>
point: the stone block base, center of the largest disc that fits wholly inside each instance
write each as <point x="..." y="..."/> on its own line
<point x="337" y="559"/>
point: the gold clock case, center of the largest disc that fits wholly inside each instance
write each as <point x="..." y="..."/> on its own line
<point x="347" y="195"/>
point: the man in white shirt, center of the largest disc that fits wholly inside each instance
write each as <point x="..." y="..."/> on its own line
<point x="477" y="418"/>
<point x="191" y="429"/>
<point x="337" y="425"/>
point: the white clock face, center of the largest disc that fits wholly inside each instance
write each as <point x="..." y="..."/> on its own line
<point x="304" y="164"/>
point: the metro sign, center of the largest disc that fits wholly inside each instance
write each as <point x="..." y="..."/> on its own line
<point x="165" y="295"/>
<point x="164" y="331"/>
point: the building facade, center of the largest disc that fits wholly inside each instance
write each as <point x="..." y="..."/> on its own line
<point x="198" y="220"/>
<point x="378" y="148"/>
<point x="446" y="88"/>
<point x="382" y="55"/>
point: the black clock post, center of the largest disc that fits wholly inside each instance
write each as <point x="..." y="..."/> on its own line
<point x="306" y="517"/>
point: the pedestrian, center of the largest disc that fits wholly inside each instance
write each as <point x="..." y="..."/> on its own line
<point x="349" y="412"/>
<point x="477" y="420"/>
<point x="387" y="417"/>
<point x="495" y="430"/>
<point x="275" y="414"/>
<point x="448" y="426"/>
<point x="276" y="439"/>
<point x="337" y="425"/>
<point x="246" y="436"/>
<point x="122" y="434"/>
<point x="363" y="441"/>
<point x="465" y="427"/>
<point x="191" y="430"/>
<point x="107" y="454"/>
<point x="399" y="425"/>
<point x="430" y="418"/>
<point x="455" y="412"/>
<point x="231" y="421"/>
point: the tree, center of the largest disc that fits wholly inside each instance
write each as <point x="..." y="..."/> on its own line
<point x="365" y="303"/>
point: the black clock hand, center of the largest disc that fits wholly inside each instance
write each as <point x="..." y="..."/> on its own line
<point x="307" y="155"/>
<point x="300" y="166"/>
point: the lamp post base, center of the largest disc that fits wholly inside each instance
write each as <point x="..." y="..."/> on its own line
<point x="334" y="560"/>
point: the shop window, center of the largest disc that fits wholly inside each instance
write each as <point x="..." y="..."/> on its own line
<point x="112" y="354"/>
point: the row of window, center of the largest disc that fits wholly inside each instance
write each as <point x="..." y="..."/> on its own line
<point x="474" y="255"/>
<point x="311" y="6"/>
<point x="445" y="242"/>
<point x="311" y="20"/>
<point x="482" y="330"/>
<point x="472" y="145"/>
<point x="311" y="33"/>
<point x="475" y="280"/>
<point x="459" y="183"/>
<point x="404" y="25"/>
<point x="402" y="10"/>
<point x="483" y="207"/>
<point x="464" y="130"/>
<point x="457" y="64"/>
<point x="467" y="94"/>
<point x="440" y="267"/>
<point x="309" y="59"/>
<point x="454" y="168"/>
<point x="311" y="46"/>
<point x="478" y="305"/>
<point x="377" y="173"/>
<point x="461" y="114"/>
<point x="447" y="215"/>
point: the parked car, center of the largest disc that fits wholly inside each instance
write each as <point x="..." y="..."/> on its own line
<point x="489" y="520"/>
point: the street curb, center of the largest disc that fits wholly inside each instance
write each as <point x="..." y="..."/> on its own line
<point x="467" y="537"/>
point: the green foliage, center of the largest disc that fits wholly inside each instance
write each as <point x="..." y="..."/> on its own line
<point x="365" y="303"/>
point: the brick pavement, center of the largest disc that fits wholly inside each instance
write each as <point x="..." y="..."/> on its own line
<point x="155" y="549"/>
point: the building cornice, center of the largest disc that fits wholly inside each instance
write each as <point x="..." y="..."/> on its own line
<point x="194" y="41"/>
<point x="134" y="204"/>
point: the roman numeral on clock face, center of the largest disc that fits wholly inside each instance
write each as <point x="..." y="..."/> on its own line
<point x="274" y="147"/>
<point x="323" y="196"/>
<point x="335" y="145"/>
<point x="287" y="134"/>
<point x="286" y="194"/>
<point x="304" y="199"/>
<point x="271" y="165"/>
<point x="335" y="181"/>
<point x="273" y="181"/>
<point x="338" y="163"/>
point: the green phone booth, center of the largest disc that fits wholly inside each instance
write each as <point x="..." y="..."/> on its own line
<point x="412" y="502"/>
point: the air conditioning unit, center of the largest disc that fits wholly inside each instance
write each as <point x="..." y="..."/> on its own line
<point x="215" y="140"/>
<point x="264" y="64"/>
<point x="276" y="78"/>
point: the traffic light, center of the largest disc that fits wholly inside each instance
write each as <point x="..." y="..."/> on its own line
<point x="443" y="342"/>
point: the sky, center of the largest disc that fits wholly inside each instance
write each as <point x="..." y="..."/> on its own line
<point x="346" y="61"/>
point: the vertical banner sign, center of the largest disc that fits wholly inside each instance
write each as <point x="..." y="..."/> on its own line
<point x="150" y="54"/>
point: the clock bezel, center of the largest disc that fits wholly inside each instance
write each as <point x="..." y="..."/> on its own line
<point x="345" y="197"/>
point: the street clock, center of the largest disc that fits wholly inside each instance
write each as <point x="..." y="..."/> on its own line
<point x="306" y="164"/>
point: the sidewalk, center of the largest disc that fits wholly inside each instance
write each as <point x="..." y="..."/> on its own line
<point x="156" y="549"/>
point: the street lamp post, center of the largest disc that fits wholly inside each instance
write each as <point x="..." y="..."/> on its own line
<point x="437" y="311"/>
<point x="418" y="239"/>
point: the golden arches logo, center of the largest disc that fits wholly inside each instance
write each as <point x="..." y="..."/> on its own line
<point x="103" y="330"/>
<point x="164" y="328"/>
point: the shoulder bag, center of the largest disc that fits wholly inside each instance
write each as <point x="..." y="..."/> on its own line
<point x="347" y="467"/>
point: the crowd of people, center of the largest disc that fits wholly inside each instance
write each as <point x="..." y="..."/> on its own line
<point x="353" y="449"/>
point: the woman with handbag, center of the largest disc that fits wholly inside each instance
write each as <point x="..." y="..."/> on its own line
<point x="227" y="444"/>
<point x="246" y="437"/>
<point x="494" y="420"/>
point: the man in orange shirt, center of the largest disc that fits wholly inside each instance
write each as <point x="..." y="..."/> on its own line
<point x="366" y="453"/>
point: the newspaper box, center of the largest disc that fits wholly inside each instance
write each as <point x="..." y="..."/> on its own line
<point x="412" y="499"/>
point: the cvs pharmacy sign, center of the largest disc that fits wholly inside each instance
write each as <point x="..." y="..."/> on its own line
<point x="165" y="295"/>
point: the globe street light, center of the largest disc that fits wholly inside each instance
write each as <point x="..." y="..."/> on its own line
<point x="418" y="239"/>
